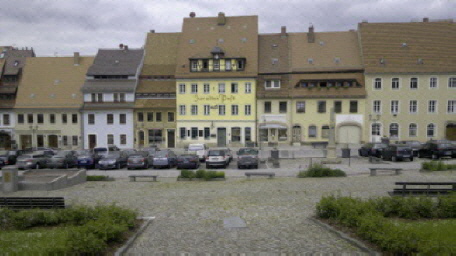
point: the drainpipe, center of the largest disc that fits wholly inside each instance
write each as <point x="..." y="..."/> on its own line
<point x="82" y="128"/>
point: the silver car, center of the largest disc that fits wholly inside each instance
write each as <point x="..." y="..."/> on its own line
<point x="35" y="160"/>
<point x="247" y="157"/>
<point x="217" y="157"/>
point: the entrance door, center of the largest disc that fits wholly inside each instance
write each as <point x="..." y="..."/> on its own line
<point x="171" y="138"/>
<point x="5" y="140"/>
<point x="26" y="141"/>
<point x="92" y="141"/>
<point x="296" y="133"/>
<point x="53" y="141"/>
<point x="40" y="140"/>
<point x="451" y="132"/>
<point x="221" y="137"/>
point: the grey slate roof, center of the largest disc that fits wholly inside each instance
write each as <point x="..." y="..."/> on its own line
<point x="109" y="86"/>
<point x="14" y="55"/>
<point x="116" y="62"/>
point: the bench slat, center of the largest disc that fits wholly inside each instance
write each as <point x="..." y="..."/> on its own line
<point x="426" y="183"/>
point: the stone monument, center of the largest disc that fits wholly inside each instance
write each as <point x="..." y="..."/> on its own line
<point x="10" y="179"/>
<point x="331" y="155"/>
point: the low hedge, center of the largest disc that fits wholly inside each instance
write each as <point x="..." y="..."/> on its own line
<point x="437" y="166"/>
<point x="97" y="178"/>
<point x="369" y="220"/>
<point x="201" y="174"/>
<point x="318" y="170"/>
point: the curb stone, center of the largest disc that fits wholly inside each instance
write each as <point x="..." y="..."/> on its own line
<point x="347" y="238"/>
<point x="130" y="241"/>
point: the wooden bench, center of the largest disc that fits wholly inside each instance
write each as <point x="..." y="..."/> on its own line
<point x="17" y="203"/>
<point x="373" y="171"/>
<point x="270" y="174"/>
<point x="429" y="189"/>
<point x="133" y="177"/>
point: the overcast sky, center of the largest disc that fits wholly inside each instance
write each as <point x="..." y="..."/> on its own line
<point x="64" y="26"/>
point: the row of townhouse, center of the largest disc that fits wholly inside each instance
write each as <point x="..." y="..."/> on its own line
<point x="220" y="82"/>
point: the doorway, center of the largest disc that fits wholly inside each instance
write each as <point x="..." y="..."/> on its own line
<point x="296" y="134"/>
<point x="171" y="138"/>
<point x="53" y="141"/>
<point x="26" y="141"/>
<point x="450" y="131"/>
<point x="40" y="140"/>
<point x="5" y="140"/>
<point x="92" y="141"/>
<point x="221" y="137"/>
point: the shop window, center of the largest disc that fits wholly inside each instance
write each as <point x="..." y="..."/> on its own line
<point x="325" y="131"/>
<point x="155" y="136"/>
<point x="235" y="134"/>
<point x="183" y="132"/>
<point x="248" y="134"/>
<point x="283" y="134"/>
<point x="312" y="131"/>
<point x="264" y="134"/>
<point x="194" y="133"/>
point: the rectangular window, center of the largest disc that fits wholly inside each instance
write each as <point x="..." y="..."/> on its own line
<point x="377" y="106"/>
<point x="123" y="139"/>
<point x="207" y="110"/>
<point x="413" y="106"/>
<point x="91" y="119"/>
<point x="221" y="110"/>
<point x="248" y="88"/>
<point x="122" y="97"/>
<point x="216" y="65"/>
<point x="20" y="118"/>
<point x="158" y="116"/>
<point x="65" y="140"/>
<point x="194" y="65"/>
<point x="395" y="83"/>
<point x="30" y="118"/>
<point x="235" y="134"/>
<point x="394" y="106"/>
<point x="433" y="82"/>
<point x="207" y="133"/>
<point x="181" y="88"/>
<point x="182" y="132"/>
<point x="182" y="110"/>
<point x="432" y="107"/>
<point x="301" y="107"/>
<point x="40" y="118"/>
<point x="228" y="64"/>
<point x="247" y="110"/>
<point x="116" y="97"/>
<point x="52" y="118"/>
<point x="272" y="84"/>
<point x="140" y="117"/>
<point x="150" y="116"/>
<point x="240" y="65"/>
<point x="64" y="119"/>
<point x="75" y="140"/>
<point x="322" y="107"/>
<point x="248" y="134"/>
<point x="413" y="83"/>
<point x="122" y="118"/>
<point x="170" y="116"/>
<point x="194" y="88"/>
<point x="234" y="88"/>
<point x="194" y="133"/>
<point x="283" y="107"/>
<point x="110" y="118"/>
<point x="221" y="88"/>
<point x="200" y="133"/>
<point x="452" y="82"/>
<point x="234" y="110"/>
<point x="353" y="106"/>
<point x="100" y="97"/>
<point x="205" y="65"/>
<point x="6" y="119"/>
<point x="377" y="83"/>
<point x="337" y="106"/>
<point x="207" y="88"/>
<point x="451" y="107"/>
<point x="94" y="97"/>
<point x="110" y="139"/>
<point x="267" y="107"/>
<point x="74" y="118"/>
<point x="194" y="110"/>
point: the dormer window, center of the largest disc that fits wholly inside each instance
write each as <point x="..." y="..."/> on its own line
<point x="272" y="84"/>
<point x="217" y="53"/>
<point x="216" y="65"/>
<point x="228" y="64"/>
<point x="194" y="65"/>
<point x="205" y="65"/>
<point x="16" y="63"/>
<point x="240" y="65"/>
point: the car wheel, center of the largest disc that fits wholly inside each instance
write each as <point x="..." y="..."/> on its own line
<point x="118" y="166"/>
<point x="67" y="166"/>
<point x="394" y="159"/>
<point x="239" y="167"/>
<point x="208" y="166"/>
<point x="411" y="159"/>
<point x="255" y="166"/>
<point x="37" y="166"/>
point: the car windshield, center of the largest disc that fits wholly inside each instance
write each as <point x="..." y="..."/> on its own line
<point x="162" y="154"/>
<point x="151" y="150"/>
<point x="62" y="153"/>
<point x="216" y="153"/>
<point x="380" y="146"/>
<point x="247" y="151"/>
<point x="444" y="145"/>
<point x="112" y="155"/>
<point x="26" y="156"/>
<point x="100" y="150"/>
<point x="3" y="152"/>
<point x="195" y="147"/>
<point x="83" y="153"/>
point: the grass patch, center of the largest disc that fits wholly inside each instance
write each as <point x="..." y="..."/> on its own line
<point x="318" y="170"/>
<point x="97" y="178"/>
<point x="202" y="174"/>
<point x="437" y="166"/>
<point x="395" y="224"/>
<point x="77" y="230"/>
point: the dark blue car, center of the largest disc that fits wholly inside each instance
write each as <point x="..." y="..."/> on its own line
<point x="86" y="159"/>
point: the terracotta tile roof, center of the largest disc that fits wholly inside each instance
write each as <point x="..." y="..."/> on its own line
<point x="7" y="103"/>
<point x="15" y="60"/>
<point x="331" y="51"/>
<point x="273" y="54"/>
<point x="160" y="53"/>
<point x="109" y="85"/>
<point x="151" y="86"/>
<point x="116" y="62"/>
<point x="156" y="103"/>
<point x="52" y="82"/>
<point x="401" y="45"/>
<point x="237" y="38"/>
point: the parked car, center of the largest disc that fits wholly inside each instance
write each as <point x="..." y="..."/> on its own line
<point x="139" y="160"/>
<point x="200" y="149"/>
<point x="436" y="149"/>
<point x="247" y="157"/>
<point x="63" y="159"/>
<point x="217" y="157"/>
<point x="188" y="161"/>
<point x="372" y="149"/>
<point x="2" y="163"/>
<point x="414" y="144"/>
<point x="9" y="157"/>
<point x="113" y="160"/>
<point x="229" y="153"/>
<point x="165" y="158"/>
<point x="129" y="152"/>
<point x="396" y="152"/>
<point x="35" y="160"/>
<point x="86" y="159"/>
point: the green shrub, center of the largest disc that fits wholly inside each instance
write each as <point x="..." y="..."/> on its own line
<point x="82" y="242"/>
<point x="187" y="174"/>
<point x="97" y="178"/>
<point x="209" y="175"/>
<point x="447" y="206"/>
<point x="318" y="170"/>
<point x="200" y="174"/>
<point x="437" y="166"/>
<point x="220" y="174"/>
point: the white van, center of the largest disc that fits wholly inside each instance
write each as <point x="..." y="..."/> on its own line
<point x="199" y="149"/>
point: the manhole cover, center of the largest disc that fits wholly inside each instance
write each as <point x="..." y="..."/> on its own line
<point x="234" y="222"/>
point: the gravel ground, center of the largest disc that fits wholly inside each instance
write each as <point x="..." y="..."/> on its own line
<point x="189" y="215"/>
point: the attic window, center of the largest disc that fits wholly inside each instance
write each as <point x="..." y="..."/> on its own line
<point x="191" y="41"/>
<point x="16" y="63"/>
<point x="420" y="61"/>
<point x="116" y="61"/>
<point x="56" y="82"/>
<point x="73" y="95"/>
<point x="245" y="26"/>
<point x="322" y="43"/>
<point x="382" y="61"/>
<point x="243" y="39"/>
<point x="274" y="46"/>
<point x="52" y="95"/>
<point x="337" y="60"/>
<point x="275" y="61"/>
<point x="32" y="96"/>
<point x="2" y="55"/>
<point x="212" y="28"/>
<point x="404" y="44"/>
<point x="221" y="40"/>
<point x="228" y="27"/>
<point x="310" y="60"/>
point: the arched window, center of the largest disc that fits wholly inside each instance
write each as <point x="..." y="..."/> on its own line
<point x="376" y="129"/>
<point x="412" y="130"/>
<point x="431" y="130"/>
<point x="312" y="131"/>
<point x="394" y="130"/>
<point x="378" y="83"/>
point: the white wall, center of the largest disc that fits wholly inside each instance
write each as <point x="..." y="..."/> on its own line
<point x="109" y="97"/>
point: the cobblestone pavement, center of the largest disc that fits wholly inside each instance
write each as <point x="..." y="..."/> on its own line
<point x="189" y="215"/>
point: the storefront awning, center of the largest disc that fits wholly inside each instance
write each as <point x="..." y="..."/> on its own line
<point x="269" y="126"/>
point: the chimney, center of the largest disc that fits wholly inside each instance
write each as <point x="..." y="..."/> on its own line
<point x="152" y="31"/>
<point x="426" y="19"/>
<point x="311" y="35"/>
<point x="126" y="47"/>
<point x="283" y="31"/>
<point x="221" y="20"/>
<point x="192" y="15"/>
<point x="121" y="46"/>
<point x="76" y="58"/>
